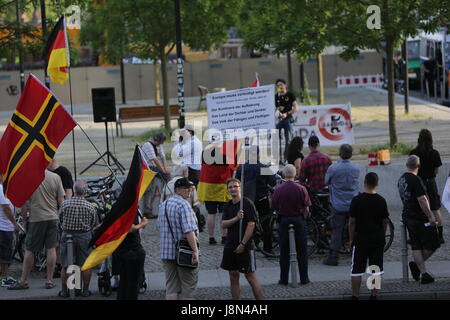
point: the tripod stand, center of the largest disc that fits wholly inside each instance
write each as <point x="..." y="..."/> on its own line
<point x="108" y="154"/>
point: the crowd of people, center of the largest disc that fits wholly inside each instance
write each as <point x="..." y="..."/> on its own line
<point x="58" y="208"/>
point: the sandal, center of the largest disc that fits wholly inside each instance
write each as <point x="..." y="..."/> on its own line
<point x="49" y="285"/>
<point x="64" y="294"/>
<point x="19" y="286"/>
<point x="86" y="293"/>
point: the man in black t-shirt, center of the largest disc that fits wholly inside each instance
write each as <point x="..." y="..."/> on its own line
<point x="286" y="105"/>
<point x="238" y="253"/>
<point x="65" y="175"/>
<point x="419" y="220"/>
<point x="368" y="221"/>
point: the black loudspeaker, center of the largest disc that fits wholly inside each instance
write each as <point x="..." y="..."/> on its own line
<point x="104" y="104"/>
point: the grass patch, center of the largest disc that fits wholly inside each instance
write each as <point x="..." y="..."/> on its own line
<point x="399" y="148"/>
<point x="149" y="134"/>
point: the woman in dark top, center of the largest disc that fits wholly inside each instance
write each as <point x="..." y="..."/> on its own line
<point x="294" y="153"/>
<point x="430" y="161"/>
<point x="130" y="258"/>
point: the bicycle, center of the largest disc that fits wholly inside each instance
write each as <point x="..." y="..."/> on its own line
<point x="271" y="222"/>
<point x="321" y="218"/>
<point x="40" y="258"/>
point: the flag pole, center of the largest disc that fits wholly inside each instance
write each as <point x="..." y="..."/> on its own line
<point x="241" y="204"/>
<point x="73" y="130"/>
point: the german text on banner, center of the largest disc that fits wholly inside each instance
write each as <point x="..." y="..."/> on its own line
<point x="39" y="124"/>
<point x="118" y="222"/>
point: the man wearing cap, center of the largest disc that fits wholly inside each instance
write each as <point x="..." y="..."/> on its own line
<point x="156" y="159"/>
<point x="176" y="220"/>
<point x="189" y="152"/>
<point x="314" y="167"/>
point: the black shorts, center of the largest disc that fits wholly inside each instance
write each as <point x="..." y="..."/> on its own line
<point x="244" y="262"/>
<point x="421" y="237"/>
<point x="214" y="207"/>
<point x="432" y="192"/>
<point x="6" y="246"/>
<point x="361" y="253"/>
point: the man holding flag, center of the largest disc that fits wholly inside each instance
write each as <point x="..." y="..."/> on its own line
<point x="120" y="228"/>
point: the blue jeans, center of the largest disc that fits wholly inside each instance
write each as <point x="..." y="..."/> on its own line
<point x="338" y="220"/>
<point x="300" y="245"/>
<point x="287" y="126"/>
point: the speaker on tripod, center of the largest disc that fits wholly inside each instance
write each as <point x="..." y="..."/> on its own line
<point x="104" y="109"/>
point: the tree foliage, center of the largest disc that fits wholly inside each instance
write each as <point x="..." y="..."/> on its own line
<point x="399" y="20"/>
<point x="32" y="38"/>
<point x="147" y="27"/>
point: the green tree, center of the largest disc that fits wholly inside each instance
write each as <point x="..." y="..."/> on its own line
<point x="299" y="26"/>
<point x="147" y="27"/>
<point x="33" y="40"/>
<point x="399" y="19"/>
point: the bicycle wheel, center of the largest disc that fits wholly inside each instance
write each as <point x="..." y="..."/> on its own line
<point x="312" y="236"/>
<point x="272" y="223"/>
<point x="389" y="237"/>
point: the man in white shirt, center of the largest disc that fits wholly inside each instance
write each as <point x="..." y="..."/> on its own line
<point x="156" y="159"/>
<point x="189" y="152"/>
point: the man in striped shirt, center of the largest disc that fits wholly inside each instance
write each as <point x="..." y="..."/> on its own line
<point x="314" y="167"/>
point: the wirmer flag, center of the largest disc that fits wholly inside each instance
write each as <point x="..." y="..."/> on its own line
<point x="118" y="222"/>
<point x="57" y="54"/>
<point x="39" y="124"/>
<point x="213" y="177"/>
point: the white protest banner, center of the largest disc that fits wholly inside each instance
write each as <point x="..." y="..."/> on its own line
<point x="332" y="124"/>
<point x="243" y="109"/>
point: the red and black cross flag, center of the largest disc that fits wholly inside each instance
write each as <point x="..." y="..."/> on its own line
<point x="39" y="124"/>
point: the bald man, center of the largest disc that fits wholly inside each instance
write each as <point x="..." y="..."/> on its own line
<point x="78" y="218"/>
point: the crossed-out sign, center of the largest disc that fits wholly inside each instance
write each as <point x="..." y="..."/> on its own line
<point x="331" y="124"/>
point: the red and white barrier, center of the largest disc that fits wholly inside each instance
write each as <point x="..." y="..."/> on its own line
<point x="374" y="80"/>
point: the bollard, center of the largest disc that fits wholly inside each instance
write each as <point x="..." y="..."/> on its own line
<point x="404" y="251"/>
<point x="293" y="256"/>
<point x="69" y="242"/>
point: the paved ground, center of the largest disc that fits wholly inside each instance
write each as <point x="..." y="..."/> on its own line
<point x="369" y="113"/>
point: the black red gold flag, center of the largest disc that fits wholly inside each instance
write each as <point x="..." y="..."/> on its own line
<point x="118" y="222"/>
<point x="57" y="54"/>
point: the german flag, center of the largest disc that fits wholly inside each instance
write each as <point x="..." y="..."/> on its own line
<point x="213" y="177"/>
<point x="39" y="124"/>
<point x="57" y="54"/>
<point x="118" y="222"/>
